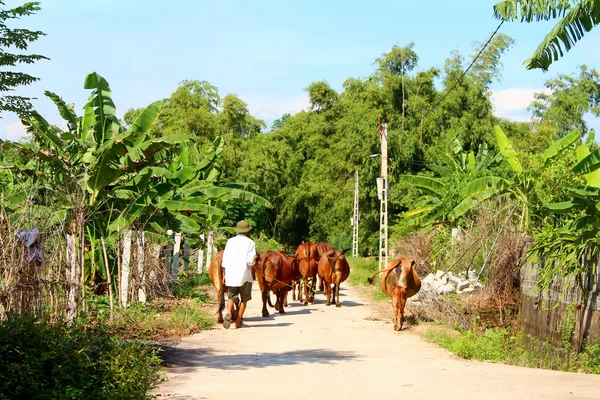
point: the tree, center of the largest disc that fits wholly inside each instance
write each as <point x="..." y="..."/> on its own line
<point x="322" y="97"/>
<point x="398" y="62"/>
<point x="577" y="17"/>
<point x="19" y="39"/>
<point x="569" y="99"/>
<point x="279" y="122"/>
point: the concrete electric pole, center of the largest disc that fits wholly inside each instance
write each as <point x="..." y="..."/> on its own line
<point x="382" y="189"/>
<point x="355" y="218"/>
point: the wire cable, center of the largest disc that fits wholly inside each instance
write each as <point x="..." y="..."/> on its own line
<point x="465" y="72"/>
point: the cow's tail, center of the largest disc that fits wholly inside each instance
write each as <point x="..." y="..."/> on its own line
<point x="389" y="268"/>
<point x="371" y="279"/>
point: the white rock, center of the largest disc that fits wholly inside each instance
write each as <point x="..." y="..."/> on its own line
<point x="439" y="274"/>
<point x="448" y="288"/>
<point x="467" y="290"/>
<point x="472" y="275"/>
<point x="428" y="279"/>
<point x="455" y="280"/>
<point x="463" y="285"/>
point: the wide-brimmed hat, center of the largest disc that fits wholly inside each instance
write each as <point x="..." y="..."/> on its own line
<point x="243" y="227"/>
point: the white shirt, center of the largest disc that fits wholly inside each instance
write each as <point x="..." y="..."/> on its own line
<point x="238" y="258"/>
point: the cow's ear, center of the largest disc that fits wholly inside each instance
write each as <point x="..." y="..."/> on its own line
<point x="413" y="263"/>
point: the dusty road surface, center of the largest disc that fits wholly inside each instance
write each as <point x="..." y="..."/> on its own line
<point x="319" y="352"/>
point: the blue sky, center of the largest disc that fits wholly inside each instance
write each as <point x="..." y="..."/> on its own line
<point x="267" y="51"/>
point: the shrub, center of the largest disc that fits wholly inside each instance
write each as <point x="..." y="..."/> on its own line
<point x="592" y="358"/>
<point x="43" y="360"/>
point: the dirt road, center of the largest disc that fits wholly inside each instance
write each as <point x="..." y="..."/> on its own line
<point x="319" y="352"/>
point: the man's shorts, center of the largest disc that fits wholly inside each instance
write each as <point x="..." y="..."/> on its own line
<point x="245" y="291"/>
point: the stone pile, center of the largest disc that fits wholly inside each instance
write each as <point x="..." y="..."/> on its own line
<point x="442" y="283"/>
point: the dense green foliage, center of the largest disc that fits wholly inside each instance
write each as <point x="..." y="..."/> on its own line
<point x="42" y="360"/>
<point x="17" y="39"/>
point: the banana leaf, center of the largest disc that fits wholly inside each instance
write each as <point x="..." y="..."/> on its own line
<point x="558" y="146"/>
<point x="507" y="150"/>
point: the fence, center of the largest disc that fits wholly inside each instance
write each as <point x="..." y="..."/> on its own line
<point x="564" y="312"/>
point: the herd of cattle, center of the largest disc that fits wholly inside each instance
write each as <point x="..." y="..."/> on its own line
<point x="279" y="273"/>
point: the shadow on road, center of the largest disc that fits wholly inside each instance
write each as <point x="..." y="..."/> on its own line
<point x="179" y="360"/>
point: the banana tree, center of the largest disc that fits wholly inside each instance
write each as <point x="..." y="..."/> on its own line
<point x="478" y="187"/>
<point x="88" y="161"/>
<point x="573" y="248"/>
<point x="577" y="17"/>
<point x="181" y="196"/>
<point x="457" y="190"/>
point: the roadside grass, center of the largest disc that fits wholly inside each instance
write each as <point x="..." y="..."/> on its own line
<point x="360" y="270"/>
<point x="499" y="345"/>
<point x="188" y="312"/>
<point x="162" y="319"/>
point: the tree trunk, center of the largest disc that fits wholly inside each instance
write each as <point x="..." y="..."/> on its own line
<point x="210" y="240"/>
<point x="72" y="275"/>
<point x="108" y="280"/>
<point x="200" y="260"/>
<point x="141" y="273"/>
<point x="125" y="268"/>
<point x="82" y="267"/>
<point x="402" y="101"/>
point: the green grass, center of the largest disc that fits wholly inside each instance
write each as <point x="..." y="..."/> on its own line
<point x="498" y="345"/>
<point x="362" y="269"/>
<point x="162" y="318"/>
<point x="159" y="320"/>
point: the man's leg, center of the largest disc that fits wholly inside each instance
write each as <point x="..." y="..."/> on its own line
<point x="238" y="321"/>
<point x="245" y="296"/>
<point x="233" y="291"/>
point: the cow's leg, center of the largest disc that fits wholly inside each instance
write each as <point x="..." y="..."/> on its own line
<point x="338" y="277"/>
<point x="294" y="292"/>
<point x="398" y="302"/>
<point x="265" y="312"/>
<point x="283" y="293"/>
<point x="313" y="286"/>
<point x="305" y="288"/>
<point x="285" y="303"/>
<point x="327" y="288"/>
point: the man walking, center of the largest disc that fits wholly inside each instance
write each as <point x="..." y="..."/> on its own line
<point x="238" y="258"/>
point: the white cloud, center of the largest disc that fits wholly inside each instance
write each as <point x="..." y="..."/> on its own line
<point x="271" y="106"/>
<point x="512" y="103"/>
<point x="15" y="131"/>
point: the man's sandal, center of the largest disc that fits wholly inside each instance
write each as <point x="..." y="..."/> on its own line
<point x="227" y="321"/>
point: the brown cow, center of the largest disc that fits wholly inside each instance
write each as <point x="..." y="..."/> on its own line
<point x="290" y="264"/>
<point x="322" y="248"/>
<point x="215" y="273"/>
<point x="399" y="281"/>
<point x="274" y="274"/>
<point x="333" y="268"/>
<point x="308" y="271"/>
<point x="306" y="249"/>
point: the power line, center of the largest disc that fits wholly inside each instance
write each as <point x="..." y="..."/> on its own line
<point x="465" y="72"/>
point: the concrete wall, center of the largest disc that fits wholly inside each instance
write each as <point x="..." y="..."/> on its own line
<point x="541" y="313"/>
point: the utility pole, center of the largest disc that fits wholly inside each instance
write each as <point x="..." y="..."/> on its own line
<point x="382" y="189"/>
<point x="356" y="218"/>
